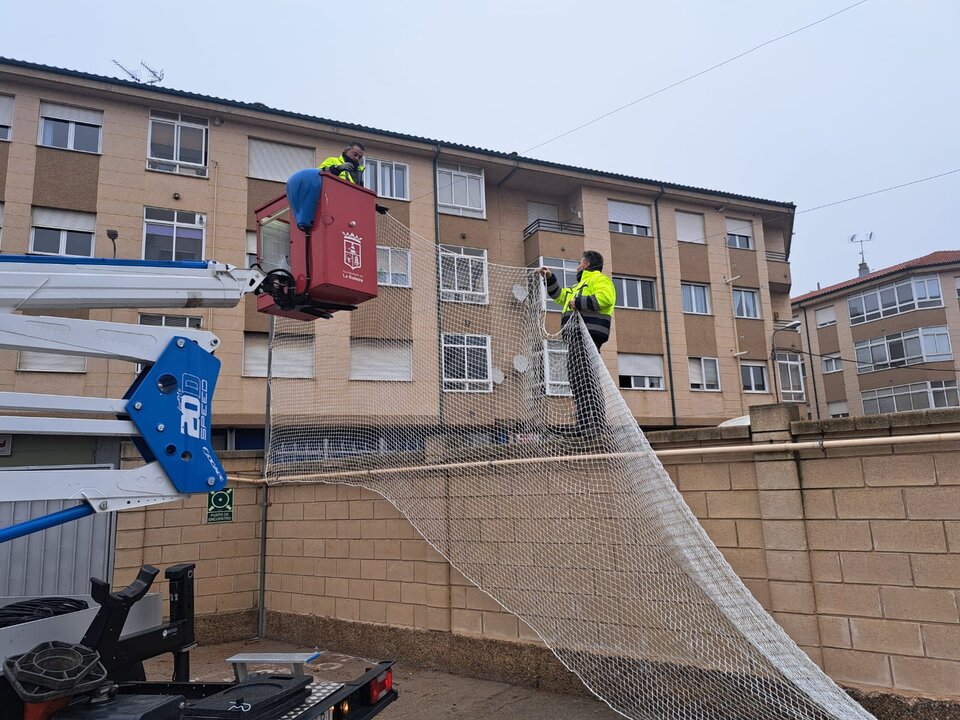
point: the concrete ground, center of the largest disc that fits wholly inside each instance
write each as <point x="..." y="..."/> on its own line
<point x="424" y="694"/>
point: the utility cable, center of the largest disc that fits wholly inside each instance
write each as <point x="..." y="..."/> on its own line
<point x="695" y="75"/>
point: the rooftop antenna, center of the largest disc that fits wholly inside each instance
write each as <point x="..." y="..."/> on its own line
<point x="863" y="269"/>
<point x="155" y="76"/>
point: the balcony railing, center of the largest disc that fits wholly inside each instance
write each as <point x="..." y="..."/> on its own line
<point x="778" y="256"/>
<point x="552" y="226"/>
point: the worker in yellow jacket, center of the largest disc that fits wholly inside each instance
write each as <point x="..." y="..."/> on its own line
<point x="593" y="298"/>
<point x="349" y="165"/>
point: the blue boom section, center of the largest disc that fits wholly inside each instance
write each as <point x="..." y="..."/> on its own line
<point x="170" y="403"/>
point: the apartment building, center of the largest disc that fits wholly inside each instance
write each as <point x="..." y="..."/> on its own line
<point x="883" y="342"/>
<point x="702" y="276"/>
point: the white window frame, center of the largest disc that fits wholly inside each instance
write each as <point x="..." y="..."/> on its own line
<point x="832" y="363"/>
<point x="628" y="211"/>
<point x="553" y="351"/>
<point x="896" y="298"/>
<point x="6" y="117"/>
<point x="53" y="112"/>
<point x="750" y="379"/>
<point x="742" y="294"/>
<point x="448" y="174"/>
<point x="200" y="222"/>
<point x="395" y="365"/>
<point x="471" y="257"/>
<point x="825" y="316"/>
<point x="192" y="322"/>
<point x="566" y="274"/>
<point x="791" y="364"/>
<point x="702" y="362"/>
<point x="259" y="343"/>
<point x="62" y="222"/>
<point x="178" y="166"/>
<point x="735" y="237"/>
<point x="638" y="382"/>
<point x="707" y="309"/>
<point x="934" y="394"/>
<point x="373" y="177"/>
<point x="464" y="384"/>
<point x="620" y="284"/>
<point x="889" y="351"/>
<point x="396" y="258"/>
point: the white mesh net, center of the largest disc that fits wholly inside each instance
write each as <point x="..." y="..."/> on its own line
<point x="462" y="410"/>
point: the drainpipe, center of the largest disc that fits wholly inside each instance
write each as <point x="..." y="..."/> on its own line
<point x="265" y="497"/>
<point x="813" y="373"/>
<point x="436" y="234"/>
<point x="663" y="304"/>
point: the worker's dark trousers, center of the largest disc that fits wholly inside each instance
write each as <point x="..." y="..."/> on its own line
<point x="584" y="383"/>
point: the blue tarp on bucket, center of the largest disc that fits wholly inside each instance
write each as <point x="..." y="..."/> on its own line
<point x="303" y="192"/>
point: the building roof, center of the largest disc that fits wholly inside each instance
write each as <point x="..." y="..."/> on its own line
<point x="934" y="259"/>
<point x="260" y="107"/>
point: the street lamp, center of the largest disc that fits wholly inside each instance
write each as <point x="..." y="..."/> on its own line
<point x="792" y="325"/>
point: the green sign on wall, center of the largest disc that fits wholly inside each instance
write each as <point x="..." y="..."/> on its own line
<point x="220" y="506"/>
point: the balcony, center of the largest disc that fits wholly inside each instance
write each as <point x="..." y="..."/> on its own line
<point x="552" y="226"/>
<point x="550" y="238"/>
<point x="778" y="272"/>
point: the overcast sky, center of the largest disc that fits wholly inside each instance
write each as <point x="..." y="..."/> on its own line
<point x="863" y="101"/>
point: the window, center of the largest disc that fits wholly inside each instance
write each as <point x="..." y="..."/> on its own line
<point x="251" y="248"/>
<point x="640" y="372"/>
<point x="894" y="299"/>
<point x="33" y="361"/>
<point x="293" y="355"/>
<point x="393" y="266"/>
<point x="70" y="128"/>
<point x="62" y="232"/>
<point x="460" y="190"/>
<point x="387" y="179"/>
<point x="466" y="363"/>
<point x="635" y="293"/>
<point x="690" y="227"/>
<point x="180" y="321"/>
<point x="956" y="282"/>
<point x="915" y="396"/>
<point x="628" y="218"/>
<point x="753" y="377"/>
<point x="832" y="363"/>
<point x="838" y="409"/>
<point x="704" y="373"/>
<point x="373" y="359"/>
<point x="746" y="303"/>
<point x="172" y="234"/>
<point x="566" y="272"/>
<point x="910" y="347"/>
<point x="739" y="234"/>
<point x="178" y="143"/>
<point x="826" y="316"/>
<point x="6" y="116"/>
<point x="555" y="371"/>
<point x="463" y="274"/>
<point x="696" y="298"/>
<point x="276" y="161"/>
<point x="791" y="371"/>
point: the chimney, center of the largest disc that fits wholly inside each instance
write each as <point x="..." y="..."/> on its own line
<point x="863" y="269"/>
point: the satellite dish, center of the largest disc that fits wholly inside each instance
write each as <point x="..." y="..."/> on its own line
<point x="521" y="363"/>
<point x="520" y="293"/>
<point x="498" y="376"/>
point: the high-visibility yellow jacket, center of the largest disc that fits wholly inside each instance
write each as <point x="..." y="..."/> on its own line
<point x="355" y="178"/>
<point x="593" y="296"/>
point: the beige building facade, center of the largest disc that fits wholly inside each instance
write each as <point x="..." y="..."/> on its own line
<point x="883" y="342"/>
<point x="703" y="276"/>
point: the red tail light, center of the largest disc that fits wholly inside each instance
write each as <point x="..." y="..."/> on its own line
<point x="380" y="686"/>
